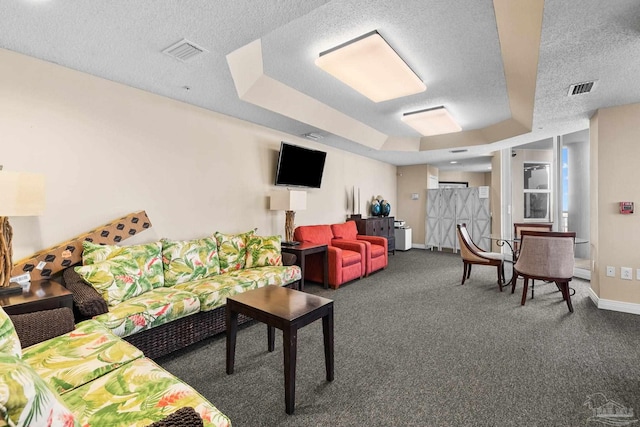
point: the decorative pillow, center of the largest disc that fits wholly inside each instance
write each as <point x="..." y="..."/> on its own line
<point x="263" y="251"/>
<point x="93" y="252"/>
<point x="185" y="261"/>
<point x="9" y="341"/>
<point x="232" y="250"/>
<point x="127" y="271"/>
<point x="26" y="400"/>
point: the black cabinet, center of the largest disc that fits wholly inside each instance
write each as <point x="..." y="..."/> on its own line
<point x="378" y="226"/>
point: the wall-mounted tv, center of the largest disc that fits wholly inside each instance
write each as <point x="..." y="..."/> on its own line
<point x="299" y="166"/>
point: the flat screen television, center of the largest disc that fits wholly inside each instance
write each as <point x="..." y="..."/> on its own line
<point x="299" y="166"/>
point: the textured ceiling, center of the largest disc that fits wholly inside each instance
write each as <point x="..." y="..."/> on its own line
<point x="456" y="47"/>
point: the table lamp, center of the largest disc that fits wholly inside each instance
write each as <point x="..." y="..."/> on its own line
<point x="21" y="194"/>
<point x="289" y="201"/>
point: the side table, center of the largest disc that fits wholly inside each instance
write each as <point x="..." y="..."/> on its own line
<point x="304" y="249"/>
<point x="41" y="295"/>
<point x="288" y="310"/>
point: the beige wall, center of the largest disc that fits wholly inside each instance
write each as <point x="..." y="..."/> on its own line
<point x="413" y="179"/>
<point x="615" y="238"/>
<point x="107" y="149"/>
<point x="475" y="179"/>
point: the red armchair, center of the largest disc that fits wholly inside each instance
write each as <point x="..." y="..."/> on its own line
<point x="376" y="254"/>
<point x="346" y="259"/>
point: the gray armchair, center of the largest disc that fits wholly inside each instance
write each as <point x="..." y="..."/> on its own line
<point x="547" y="256"/>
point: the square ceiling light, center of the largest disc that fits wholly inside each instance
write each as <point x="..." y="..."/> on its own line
<point x="370" y="66"/>
<point x="432" y="121"/>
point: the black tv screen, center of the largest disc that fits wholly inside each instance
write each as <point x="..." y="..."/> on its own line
<point x="299" y="166"/>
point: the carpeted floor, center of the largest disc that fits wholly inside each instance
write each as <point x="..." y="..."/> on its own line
<point x="413" y="347"/>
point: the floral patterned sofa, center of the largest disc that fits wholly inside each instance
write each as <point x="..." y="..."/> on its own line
<point x="90" y="377"/>
<point x="165" y="295"/>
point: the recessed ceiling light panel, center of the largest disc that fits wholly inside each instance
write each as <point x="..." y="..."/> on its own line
<point x="370" y="66"/>
<point x="432" y="121"/>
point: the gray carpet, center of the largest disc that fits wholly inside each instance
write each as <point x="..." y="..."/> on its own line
<point x="413" y="347"/>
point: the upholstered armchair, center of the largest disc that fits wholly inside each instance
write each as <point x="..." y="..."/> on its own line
<point x="346" y="259"/>
<point x="376" y="254"/>
<point x="472" y="254"/>
<point x="547" y="256"/>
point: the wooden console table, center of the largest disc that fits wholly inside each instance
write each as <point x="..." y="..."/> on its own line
<point x="378" y="226"/>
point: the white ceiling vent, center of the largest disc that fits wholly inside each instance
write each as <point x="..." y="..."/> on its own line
<point x="314" y="136"/>
<point x="184" y="50"/>
<point x="579" y="88"/>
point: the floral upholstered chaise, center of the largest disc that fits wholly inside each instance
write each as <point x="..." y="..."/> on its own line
<point x="89" y="377"/>
<point x="164" y="295"/>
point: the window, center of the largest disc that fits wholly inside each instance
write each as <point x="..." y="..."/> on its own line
<point x="537" y="191"/>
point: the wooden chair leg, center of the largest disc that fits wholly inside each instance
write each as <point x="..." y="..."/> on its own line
<point x="567" y="295"/>
<point x="514" y="280"/>
<point x="560" y="289"/>
<point x="500" y="277"/>
<point x="469" y="271"/>
<point x="524" y="291"/>
<point x="464" y="272"/>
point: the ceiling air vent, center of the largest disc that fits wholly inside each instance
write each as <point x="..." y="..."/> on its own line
<point x="184" y="50"/>
<point x="579" y="88"/>
<point x="314" y="136"/>
<point x="462" y="150"/>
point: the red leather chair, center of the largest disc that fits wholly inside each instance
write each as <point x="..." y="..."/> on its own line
<point x="376" y="254"/>
<point x="346" y="259"/>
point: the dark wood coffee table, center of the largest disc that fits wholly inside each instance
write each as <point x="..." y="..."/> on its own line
<point x="287" y="310"/>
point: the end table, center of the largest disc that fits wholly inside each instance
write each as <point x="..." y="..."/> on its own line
<point x="41" y="295"/>
<point x="304" y="249"/>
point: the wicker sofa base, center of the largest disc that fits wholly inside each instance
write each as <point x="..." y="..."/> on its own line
<point x="164" y="339"/>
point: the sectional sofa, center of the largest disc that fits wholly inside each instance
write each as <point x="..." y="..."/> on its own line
<point x="165" y="295"/>
<point x="89" y="377"/>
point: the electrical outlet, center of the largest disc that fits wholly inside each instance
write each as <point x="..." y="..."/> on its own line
<point x="626" y="273"/>
<point x="611" y="271"/>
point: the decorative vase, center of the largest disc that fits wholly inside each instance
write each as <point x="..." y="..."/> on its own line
<point x="375" y="208"/>
<point x="385" y="208"/>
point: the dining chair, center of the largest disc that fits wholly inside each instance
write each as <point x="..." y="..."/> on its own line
<point x="548" y="256"/>
<point x="518" y="227"/>
<point x="472" y="254"/>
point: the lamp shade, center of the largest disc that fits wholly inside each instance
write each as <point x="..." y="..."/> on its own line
<point x="21" y="194"/>
<point x="292" y="200"/>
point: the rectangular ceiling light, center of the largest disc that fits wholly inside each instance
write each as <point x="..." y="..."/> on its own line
<point x="370" y="66"/>
<point x="432" y="121"/>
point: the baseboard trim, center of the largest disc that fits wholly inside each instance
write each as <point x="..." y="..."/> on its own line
<point x="607" y="304"/>
<point x="418" y="246"/>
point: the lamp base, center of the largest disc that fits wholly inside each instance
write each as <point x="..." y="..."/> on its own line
<point x="13" y="288"/>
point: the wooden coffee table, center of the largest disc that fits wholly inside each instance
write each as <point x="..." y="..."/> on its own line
<point x="287" y="310"/>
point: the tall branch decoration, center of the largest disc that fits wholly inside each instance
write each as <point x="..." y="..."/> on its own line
<point x="6" y="251"/>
